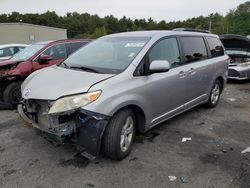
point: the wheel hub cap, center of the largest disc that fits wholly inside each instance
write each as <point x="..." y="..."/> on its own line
<point x="215" y="94"/>
<point x="127" y="134"/>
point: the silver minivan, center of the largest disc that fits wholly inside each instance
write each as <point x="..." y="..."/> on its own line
<point x="123" y="84"/>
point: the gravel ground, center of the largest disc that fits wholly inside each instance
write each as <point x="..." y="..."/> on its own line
<point x="211" y="159"/>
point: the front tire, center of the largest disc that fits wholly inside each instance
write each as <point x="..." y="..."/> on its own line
<point x="119" y="135"/>
<point x="12" y="93"/>
<point x="214" y="94"/>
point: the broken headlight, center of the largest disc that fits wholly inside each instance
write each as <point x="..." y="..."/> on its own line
<point x="73" y="102"/>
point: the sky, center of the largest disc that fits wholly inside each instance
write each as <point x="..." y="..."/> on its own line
<point x="168" y="10"/>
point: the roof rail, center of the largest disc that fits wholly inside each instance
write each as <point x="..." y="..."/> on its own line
<point x="191" y="30"/>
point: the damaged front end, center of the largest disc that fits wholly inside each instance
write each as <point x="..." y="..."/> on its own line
<point x="238" y="49"/>
<point x="239" y="67"/>
<point x="82" y="128"/>
<point x="6" y="76"/>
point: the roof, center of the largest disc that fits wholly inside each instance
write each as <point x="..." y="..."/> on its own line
<point x="63" y="40"/>
<point x="158" y="32"/>
<point x="33" y="25"/>
<point x="13" y="45"/>
<point x="235" y="42"/>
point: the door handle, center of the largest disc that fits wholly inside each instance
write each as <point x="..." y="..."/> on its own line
<point x="191" y="71"/>
<point x="182" y="74"/>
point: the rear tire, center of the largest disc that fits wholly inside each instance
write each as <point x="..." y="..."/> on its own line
<point x="119" y="135"/>
<point x="215" y="93"/>
<point x="12" y="93"/>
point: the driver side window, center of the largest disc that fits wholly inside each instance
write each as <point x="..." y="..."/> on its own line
<point x="166" y="49"/>
<point x="56" y="52"/>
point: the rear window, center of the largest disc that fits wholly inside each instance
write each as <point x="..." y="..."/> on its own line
<point x="194" y="49"/>
<point x="215" y="46"/>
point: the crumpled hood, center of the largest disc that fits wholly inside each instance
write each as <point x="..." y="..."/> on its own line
<point x="54" y="82"/>
<point x="8" y="62"/>
<point x="6" y="65"/>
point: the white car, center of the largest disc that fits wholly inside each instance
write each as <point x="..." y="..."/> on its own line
<point x="8" y="50"/>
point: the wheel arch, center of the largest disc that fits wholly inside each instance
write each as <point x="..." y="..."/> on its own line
<point x="140" y="117"/>
<point x="221" y="80"/>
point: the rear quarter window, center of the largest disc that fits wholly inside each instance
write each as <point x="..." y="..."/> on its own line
<point x="215" y="47"/>
<point x="194" y="49"/>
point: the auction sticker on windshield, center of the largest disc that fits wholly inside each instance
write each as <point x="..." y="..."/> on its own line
<point x="137" y="44"/>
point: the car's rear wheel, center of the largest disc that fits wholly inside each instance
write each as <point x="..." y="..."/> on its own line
<point x="214" y="94"/>
<point x="12" y="93"/>
<point x="119" y="135"/>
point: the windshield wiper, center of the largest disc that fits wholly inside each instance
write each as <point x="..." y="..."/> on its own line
<point x="65" y="65"/>
<point x="85" y="69"/>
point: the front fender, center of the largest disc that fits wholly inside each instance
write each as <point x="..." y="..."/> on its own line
<point x="111" y="105"/>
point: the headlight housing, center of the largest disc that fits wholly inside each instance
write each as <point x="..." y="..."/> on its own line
<point x="73" y="102"/>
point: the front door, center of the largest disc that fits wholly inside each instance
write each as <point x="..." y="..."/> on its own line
<point x="168" y="90"/>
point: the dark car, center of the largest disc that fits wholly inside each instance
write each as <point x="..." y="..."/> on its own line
<point x="238" y="49"/>
<point x="36" y="56"/>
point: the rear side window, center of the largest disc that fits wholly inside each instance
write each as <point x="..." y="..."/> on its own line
<point x="215" y="46"/>
<point x="74" y="46"/>
<point x="194" y="49"/>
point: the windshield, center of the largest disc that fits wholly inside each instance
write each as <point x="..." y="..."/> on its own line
<point x="109" y="55"/>
<point x="27" y="52"/>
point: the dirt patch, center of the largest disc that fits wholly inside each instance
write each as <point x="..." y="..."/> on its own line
<point x="242" y="179"/>
<point x="237" y="166"/>
<point x="149" y="136"/>
<point x="77" y="161"/>
<point x="25" y="136"/>
<point x="238" y="130"/>
<point x="2" y="149"/>
<point x="246" y="89"/>
<point x="33" y="162"/>
<point x="89" y="185"/>
<point x="9" y="124"/>
<point x="240" y="106"/>
<point x="9" y="172"/>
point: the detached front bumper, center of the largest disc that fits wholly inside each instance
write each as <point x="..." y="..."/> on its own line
<point x="239" y="72"/>
<point x="85" y="131"/>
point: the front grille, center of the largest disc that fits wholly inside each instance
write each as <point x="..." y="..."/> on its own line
<point x="233" y="73"/>
<point x="38" y="110"/>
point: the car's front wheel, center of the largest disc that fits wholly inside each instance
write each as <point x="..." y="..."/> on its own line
<point x="119" y="135"/>
<point x="214" y="94"/>
<point x="12" y="93"/>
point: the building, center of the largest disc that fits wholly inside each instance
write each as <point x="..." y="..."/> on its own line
<point x="29" y="33"/>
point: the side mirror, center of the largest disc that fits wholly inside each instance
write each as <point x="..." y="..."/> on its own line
<point x="44" y="59"/>
<point x="158" y="66"/>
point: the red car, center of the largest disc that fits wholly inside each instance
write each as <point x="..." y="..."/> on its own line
<point x="36" y="56"/>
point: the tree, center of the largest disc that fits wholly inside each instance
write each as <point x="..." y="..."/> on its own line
<point x="239" y="19"/>
<point x="99" y="32"/>
<point x="84" y="25"/>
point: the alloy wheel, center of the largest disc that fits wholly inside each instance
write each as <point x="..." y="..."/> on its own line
<point x="127" y="134"/>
